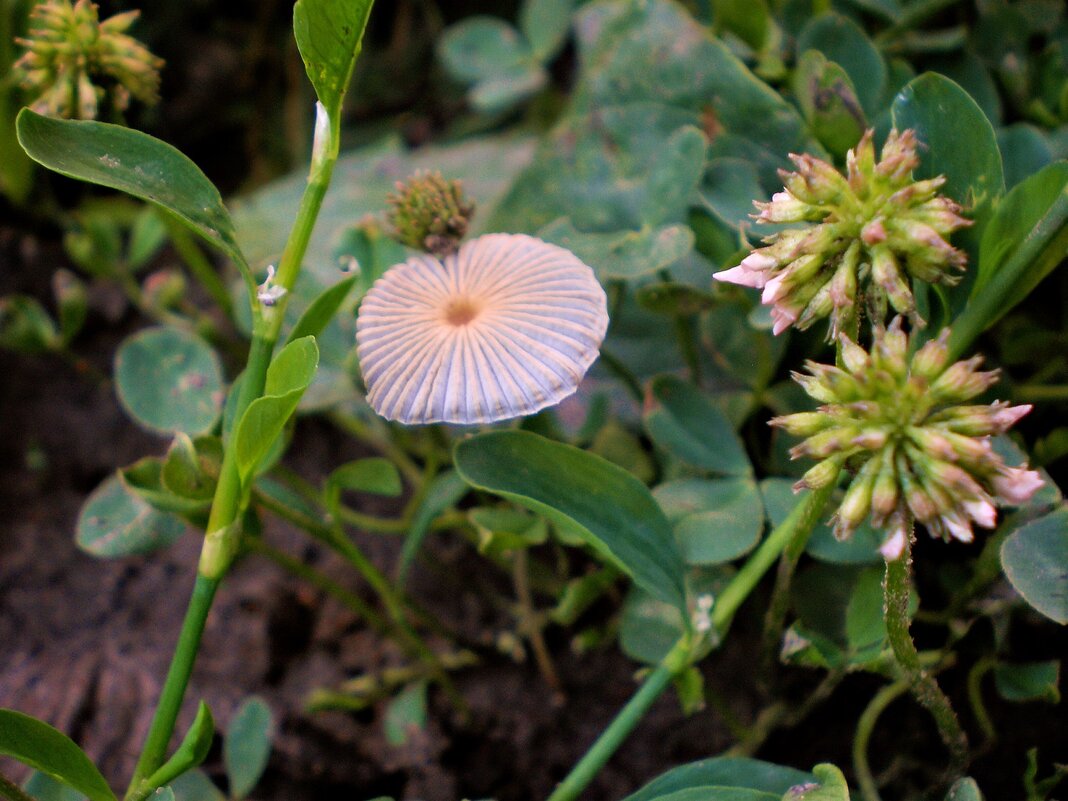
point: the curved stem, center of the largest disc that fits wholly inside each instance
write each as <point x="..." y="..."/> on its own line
<point x="975" y="698"/>
<point x="623" y="724"/>
<point x="923" y="686"/>
<point x="170" y="701"/>
<point x="865" y="726"/>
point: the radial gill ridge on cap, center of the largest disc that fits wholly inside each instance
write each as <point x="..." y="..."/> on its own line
<point x="503" y="328"/>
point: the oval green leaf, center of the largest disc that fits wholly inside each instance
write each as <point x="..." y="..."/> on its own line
<point x="114" y="522"/>
<point x="1035" y="559"/>
<point x="375" y="475"/>
<point x="132" y="162"/>
<point x="247" y="746"/>
<point x="751" y="774"/>
<point x="958" y="140"/>
<point x="615" y="512"/>
<point x="288" y="376"/>
<point x="844" y="42"/>
<point x="169" y="380"/>
<point x="1029" y="681"/>
<point x="482" y="47"/>
<point x="33" y="742"/>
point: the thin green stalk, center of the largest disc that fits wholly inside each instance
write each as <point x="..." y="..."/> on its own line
<point x="975" y="698"/>
<point x="797" y="526"/>
<point x="775" y="617"/>
<point x="12" y="792"/>
<point x="159" y="734"/>
<point x="611" y="738"/>
<point x="865" y="727"/>
<point x="320" y="581"/>
<point x="198" y="263"/>
<point x="923" y="686"/>
<point x="389" y="449"/>
<point x="223" y="533"/>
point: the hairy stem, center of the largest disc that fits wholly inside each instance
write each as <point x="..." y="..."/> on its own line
<point x="922" y="685"/>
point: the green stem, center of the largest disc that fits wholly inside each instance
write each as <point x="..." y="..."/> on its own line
<point x="796" y="527"/>
<point x="223" y="533"/>
<point x="319" y="581"/>
<point x="611" y="738"/>
<point x="185" y="654"/>
<point x="199" y="265"/>
<point x="389" y="449"/>
<point x="975" y="698"/>
<point x="775" y="617"/>
<point x="865" y="727"/>
<point x="923" y="686"/>
<point x="11" y="791"/>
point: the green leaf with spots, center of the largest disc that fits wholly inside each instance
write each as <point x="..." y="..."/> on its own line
<point x="613" y="511"/>
<point x="169" y="380"/>
<point x="844" y="42"/>
<point x="33" y="742"/>
<point x="829" y="102"/>
<point x="247" y="746"/>
<point x="623" y="255"/>
<point x="288" y="376"/>
<point x="656" y="52"/>
<point x="135" y="163"/>
<point x="114" y="522"/>
<point x="329" y="34"/>
<point x="830" y="785"/>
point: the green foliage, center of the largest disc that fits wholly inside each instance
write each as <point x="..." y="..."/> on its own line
<point x="289" y="375"/>
<point x="135" y="163"/>
<point x="611" y="509"/>
<point x="406" y="713"/>
<point x="830" y="785"/>
<point x="192" y="751"/>
<point x="169" y="380"/>
<point x="720" y="773"/>
<point x="691" y="427"/>
<point x="329" y="34"/>
<point x="1035" y="560"/>
<point x="247" y="746"/>
<point x="115" y="522"/>
<point x="445" y="490"/>
<point x="714" y="520"/>
<point x="1029" y="681"/>
<point x="38" y="745"/>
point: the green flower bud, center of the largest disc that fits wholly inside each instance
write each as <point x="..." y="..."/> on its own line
<point x="430" y="214"/>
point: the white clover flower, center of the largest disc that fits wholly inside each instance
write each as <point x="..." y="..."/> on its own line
<point x="504" y="327"/>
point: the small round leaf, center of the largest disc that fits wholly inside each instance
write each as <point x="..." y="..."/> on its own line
<point x="115" y="522"/>
<point x="169" y="380"/>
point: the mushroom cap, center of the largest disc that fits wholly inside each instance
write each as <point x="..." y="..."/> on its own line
<point x="504" y="327"/>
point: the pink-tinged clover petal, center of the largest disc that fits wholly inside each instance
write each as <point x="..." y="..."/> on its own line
<point x="502" y="328"/>
<point x="1016" y="485"/>
<point x="741" y="276"/>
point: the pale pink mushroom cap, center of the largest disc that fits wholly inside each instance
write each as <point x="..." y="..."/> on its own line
<point x="504" y="327"/>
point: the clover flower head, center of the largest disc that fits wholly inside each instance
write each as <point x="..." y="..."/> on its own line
<point x="504" y="327"/>
<point x="916" y="448"/>
<point x="869" y="231"/>
<point x="72" y="59"/>
<point x="429" y="213"/>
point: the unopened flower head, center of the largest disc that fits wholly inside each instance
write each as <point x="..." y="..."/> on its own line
<point x="429" y="213"/>
<point x="73" y="60"/>
<point x="916" y="448"/>
<point x="869" y="232"/>
<point x="504" y="327"/>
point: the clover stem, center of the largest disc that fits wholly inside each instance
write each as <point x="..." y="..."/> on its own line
<point x="797" y="526"/>
<point x="865" y="727"/>
<point x="922" y="685"/>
